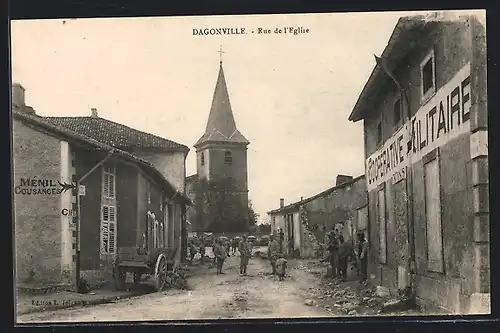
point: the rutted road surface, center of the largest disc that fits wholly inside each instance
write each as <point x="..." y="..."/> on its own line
<point x="210" y="296"/>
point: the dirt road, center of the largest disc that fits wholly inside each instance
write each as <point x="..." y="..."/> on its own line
<point x="211" y="296"/>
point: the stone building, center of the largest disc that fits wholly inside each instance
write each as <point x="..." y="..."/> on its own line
<point x="425" y="134"/>
<point x="118" y="194"/>
<point x="342" y="207"/>
<point x="221" y="153"/>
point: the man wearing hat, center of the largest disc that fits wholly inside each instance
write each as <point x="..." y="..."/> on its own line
<point x="244" y="254"/>
<point x="362" y="255"/>
<point x="273" y="250"/>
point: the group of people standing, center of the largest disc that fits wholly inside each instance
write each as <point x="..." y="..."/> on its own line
<point x="222" y="248"/>
<point x="341" y="251"/>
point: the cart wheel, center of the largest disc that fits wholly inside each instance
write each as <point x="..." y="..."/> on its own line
<point x="160" y="272"/>
<point x="137" y="277"/>
<point x="119" y="278"/>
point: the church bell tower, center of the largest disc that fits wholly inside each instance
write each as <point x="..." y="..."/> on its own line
<point x="221" y="152"/>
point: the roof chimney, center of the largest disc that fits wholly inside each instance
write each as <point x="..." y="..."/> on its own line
<point x="282" y="203"/>
<point x="343" y="179"/>
<point x="94" y="112"/>
<point x="18" y="100"/>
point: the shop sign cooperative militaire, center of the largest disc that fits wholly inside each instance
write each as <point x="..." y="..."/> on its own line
<point x="442" y="118"/>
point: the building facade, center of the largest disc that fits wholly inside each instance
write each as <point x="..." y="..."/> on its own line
<point x="118" y="194"/>
<point x="425" y="133"/>
<point x="221" y="154"/>
<point x="342" y="207"/>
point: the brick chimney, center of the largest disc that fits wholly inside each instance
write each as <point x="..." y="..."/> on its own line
<point x="18" y="99"/>
<point x="94" y="113"/>
<point x="282" y="202"/>
<point x="343" y="179"/>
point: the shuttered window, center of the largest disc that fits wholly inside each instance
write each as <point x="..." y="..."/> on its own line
<point x="108" y="229"/>
<point x="156" y="238"/>
<point x="108" y="182"/>
<point x="433" y="217"/>
<point x="161" y="236"/>
<point x="382" y="226"/>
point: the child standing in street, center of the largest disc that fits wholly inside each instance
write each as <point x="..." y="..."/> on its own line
<point x="281" y="267"/>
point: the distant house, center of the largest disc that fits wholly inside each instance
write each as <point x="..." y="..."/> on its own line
<point x="115" y="199"/>
<point x="342" y="207"/>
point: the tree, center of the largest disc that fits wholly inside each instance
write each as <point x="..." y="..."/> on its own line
<point x="253" y="217"/>
<point x="220" y="207"/>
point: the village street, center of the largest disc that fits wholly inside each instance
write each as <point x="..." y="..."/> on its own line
<point x="258" y="295"/>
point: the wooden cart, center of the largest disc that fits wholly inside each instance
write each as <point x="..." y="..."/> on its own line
<point x="145" y="259"/>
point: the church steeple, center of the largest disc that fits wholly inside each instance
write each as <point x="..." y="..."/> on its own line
<point x="221" y="126"/>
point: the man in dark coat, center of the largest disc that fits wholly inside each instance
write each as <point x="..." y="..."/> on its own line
<point x="362" y="255"/>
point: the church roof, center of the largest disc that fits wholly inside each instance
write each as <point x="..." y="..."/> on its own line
<point x="221" y="126"/>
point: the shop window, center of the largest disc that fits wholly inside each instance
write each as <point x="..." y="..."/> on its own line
<point x="382" y="226"/>
<point x="428" y="76"/>
<point x="228" y="157"/>
<point x="433" y="216"/>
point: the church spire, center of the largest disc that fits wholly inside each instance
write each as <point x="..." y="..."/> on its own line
<point x="221" y="126"/>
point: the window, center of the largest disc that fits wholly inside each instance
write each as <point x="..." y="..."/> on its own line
<point x="228" y="158"/>
<point x="108" y="182"/>
<point x="397" y="113"/>
<point x="379" y="133"/>
<point x="108" y="229"/>
<point x="149" y="193"/>
<point x="382" y="226"/>
<point x="428" y="76"/>
<point x="202" y="158"/>
<point x="433" y="216"/>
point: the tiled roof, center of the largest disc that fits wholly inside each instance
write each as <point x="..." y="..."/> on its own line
<point x="68" y="133"/>
<point x="115" y="134"/>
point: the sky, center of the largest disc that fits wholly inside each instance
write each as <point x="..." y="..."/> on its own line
<point x="291" y="94"/>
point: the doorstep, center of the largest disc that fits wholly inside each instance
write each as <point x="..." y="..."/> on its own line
<point x="65" y="299"/>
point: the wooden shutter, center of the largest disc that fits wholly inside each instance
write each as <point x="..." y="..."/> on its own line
<point x="433" y="216"/>
<point x="382" y="225"/>
<point x="112" y="230"/>
<point x="104" y="229"/>
<point x="111" y="185"/>
<point x="105" y="185"/>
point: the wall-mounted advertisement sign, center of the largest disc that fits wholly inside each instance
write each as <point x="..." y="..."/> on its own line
<point x="443" y="118"/>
